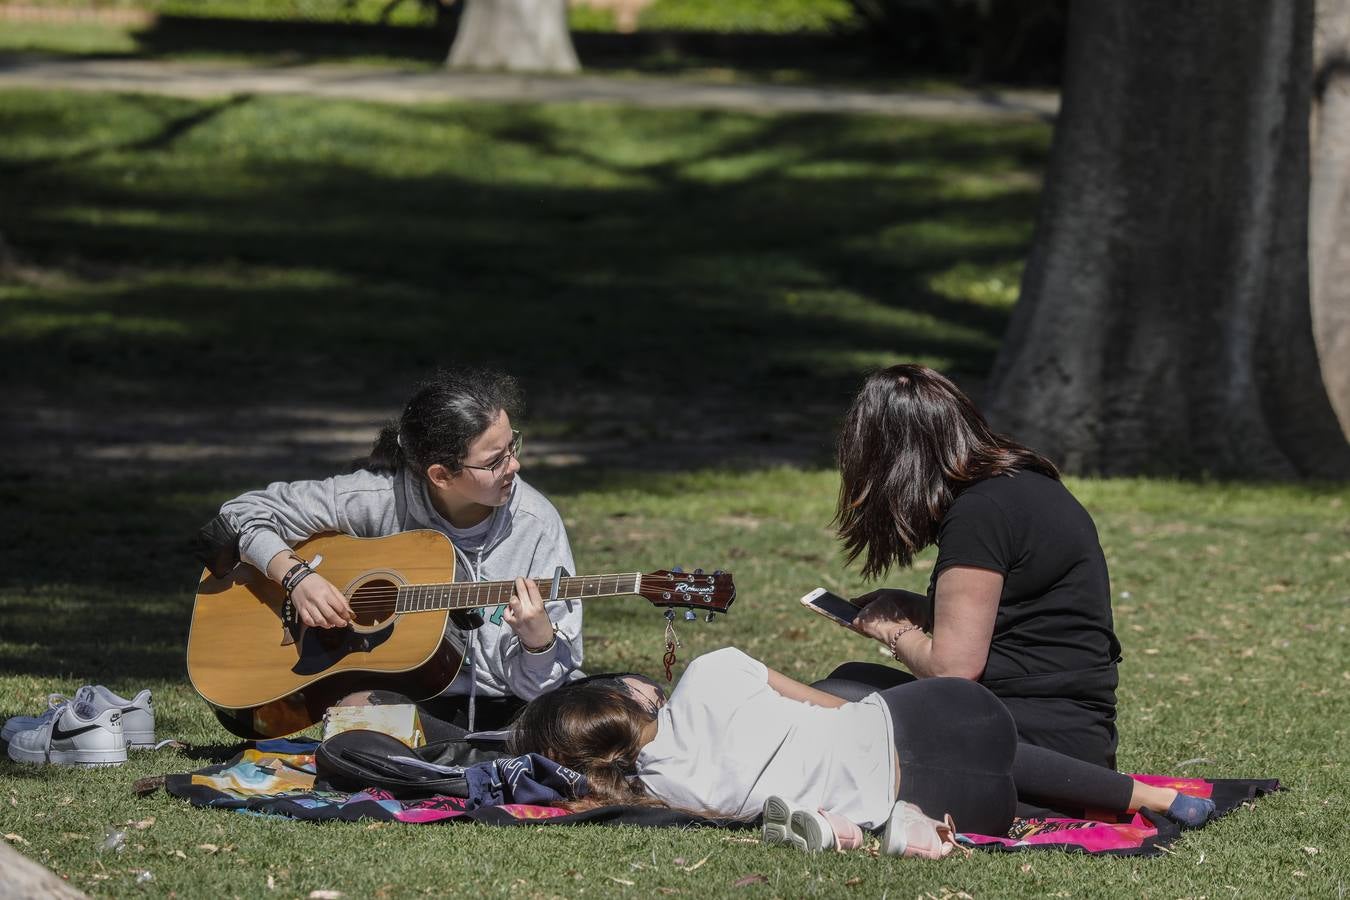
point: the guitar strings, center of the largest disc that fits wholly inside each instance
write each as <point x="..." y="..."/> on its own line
<point x="383" y="596"/>
<point x="498" y="593"/>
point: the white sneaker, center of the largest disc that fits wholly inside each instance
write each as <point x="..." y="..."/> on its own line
<point x="77" y="735"/>
<point x="795" y="826"/>
<point x="811" y="830"/>
<point x="911" y="833"/>
<point x="138" y="714"/>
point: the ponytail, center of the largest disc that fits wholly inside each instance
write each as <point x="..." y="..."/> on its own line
<point x="386" y="455"/>
<point x="444" y="415"/>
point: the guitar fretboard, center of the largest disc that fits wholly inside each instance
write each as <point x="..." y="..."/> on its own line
<point x="471" y="595"/>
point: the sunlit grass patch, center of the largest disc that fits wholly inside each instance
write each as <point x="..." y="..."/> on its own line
<point x="1223" y="676"/>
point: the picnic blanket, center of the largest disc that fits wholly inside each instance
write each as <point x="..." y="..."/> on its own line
<point x="277" y="778"/>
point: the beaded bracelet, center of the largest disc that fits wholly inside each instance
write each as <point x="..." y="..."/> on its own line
<point x="894" y="642"/>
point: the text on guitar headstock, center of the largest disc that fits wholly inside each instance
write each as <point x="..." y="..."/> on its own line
<point x="671" y="588"/>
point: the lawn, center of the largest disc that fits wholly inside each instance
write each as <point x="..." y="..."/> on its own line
<point x="790" y="42"/>
<point x="197" y="297"/>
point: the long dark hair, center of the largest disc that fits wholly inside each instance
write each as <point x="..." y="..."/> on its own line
<point x="443" y="416"/>
<point x="911" y="443"/>
<point x="593" y="727"/>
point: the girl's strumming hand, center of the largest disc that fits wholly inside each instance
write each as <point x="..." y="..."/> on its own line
<point x="319" y="604"/>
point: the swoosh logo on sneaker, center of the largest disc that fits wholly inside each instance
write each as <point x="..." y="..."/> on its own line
<point x="60" y="734"/>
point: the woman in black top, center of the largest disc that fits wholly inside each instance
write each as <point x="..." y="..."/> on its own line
<point x="1019" y="598"/>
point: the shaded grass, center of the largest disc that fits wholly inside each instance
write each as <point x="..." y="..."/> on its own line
<point x="644" y="254"/>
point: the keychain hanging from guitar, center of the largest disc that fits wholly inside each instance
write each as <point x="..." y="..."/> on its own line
<point x="266" y="675"/>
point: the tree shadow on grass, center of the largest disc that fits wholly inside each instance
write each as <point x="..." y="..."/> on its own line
<point x="97" y="579"/>
<point x="655" y="282"/>
<point x="680" y="280"/>
<point x="214" y="295"/>
<point x="171" y="130"/>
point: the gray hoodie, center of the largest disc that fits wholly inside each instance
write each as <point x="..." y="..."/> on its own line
<point x="525" y="537"/>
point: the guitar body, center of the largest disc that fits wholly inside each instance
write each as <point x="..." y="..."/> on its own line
<point x="266" y="676"/>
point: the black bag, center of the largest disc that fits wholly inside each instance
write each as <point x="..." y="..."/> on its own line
<point x="358" y="759"/>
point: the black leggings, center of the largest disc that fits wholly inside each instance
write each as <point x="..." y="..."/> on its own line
<point x="959" y="754"/>
<point x="1075" y="727"/>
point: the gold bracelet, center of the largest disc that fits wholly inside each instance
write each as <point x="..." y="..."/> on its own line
<point x="894" y="642"/>
<point x="553" y="639"/>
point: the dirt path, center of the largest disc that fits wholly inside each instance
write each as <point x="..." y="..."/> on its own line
<point x="391" y="85"/>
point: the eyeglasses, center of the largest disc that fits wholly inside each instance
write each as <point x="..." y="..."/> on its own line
<point x="498" y="464"/>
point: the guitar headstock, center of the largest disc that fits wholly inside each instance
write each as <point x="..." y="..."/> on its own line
<point x="691" y="590"/>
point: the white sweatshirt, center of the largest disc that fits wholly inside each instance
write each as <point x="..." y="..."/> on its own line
<point x="525" y="538"/>
<point x="726" y="742"/>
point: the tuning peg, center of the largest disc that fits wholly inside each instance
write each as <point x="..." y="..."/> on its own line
<point x="698" y="571"/>
<point x="679" y="569"/>
<point x="670" y="615"/>
<point x="710" y="616"/>
<point x="690" y="615"/>
<point x="716" y="572"/>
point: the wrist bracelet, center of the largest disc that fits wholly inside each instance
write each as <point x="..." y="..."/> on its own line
<point x="894" y="642"/>
<point x="296" y="574"/>
<point x="290" y="573"/>
<point x="540" y="651"/>
<point x="296" y="583"/>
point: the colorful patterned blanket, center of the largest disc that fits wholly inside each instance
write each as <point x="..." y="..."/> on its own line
<point x="277" y="778"/>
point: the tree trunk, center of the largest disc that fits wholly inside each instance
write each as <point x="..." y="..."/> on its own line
<point x="515" y="35"/>
<point x="23" y="879"/>
<point x="1329" y="211"/>
<point x="1165" y="323"/>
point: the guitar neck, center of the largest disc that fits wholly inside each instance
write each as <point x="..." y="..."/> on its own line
<point x="471" y="595"/>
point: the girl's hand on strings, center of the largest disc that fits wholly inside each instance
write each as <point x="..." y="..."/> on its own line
<point x="527" y="617"/>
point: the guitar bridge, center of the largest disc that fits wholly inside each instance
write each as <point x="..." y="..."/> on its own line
<point x="288" y="623"/>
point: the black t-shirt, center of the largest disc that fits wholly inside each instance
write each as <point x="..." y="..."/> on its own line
<point x="1053" y="635"/>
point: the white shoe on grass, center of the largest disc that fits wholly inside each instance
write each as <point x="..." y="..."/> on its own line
<point x="138" y="714"/>
<point x="797" y="827"/>
<point x="911" y="833"/>
<point x="77" y="735"/>
<point x="807" y="829"/>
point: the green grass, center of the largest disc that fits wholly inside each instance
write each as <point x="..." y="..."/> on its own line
<point x="692" y="286"/>
<point x="1231" y="607"/>
<point x="763" y="16"/>
<point x="787" y="42"/>
<point x="161" y="230"/>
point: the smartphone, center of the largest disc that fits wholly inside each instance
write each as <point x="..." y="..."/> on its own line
<point x="831" y="606"/>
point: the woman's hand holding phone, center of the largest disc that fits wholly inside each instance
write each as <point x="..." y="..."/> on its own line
<point x="898" y="605"/>
<point x="881" y="617"/>
<point x="877" y="615"/>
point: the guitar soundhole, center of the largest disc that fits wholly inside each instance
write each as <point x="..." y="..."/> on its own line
<point x="374" y="601"/>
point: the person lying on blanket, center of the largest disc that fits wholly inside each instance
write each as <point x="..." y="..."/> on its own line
<point x="737" y="738"/>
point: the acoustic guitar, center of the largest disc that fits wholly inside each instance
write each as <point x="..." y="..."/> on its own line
<point x="268" y="675"/>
